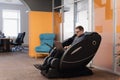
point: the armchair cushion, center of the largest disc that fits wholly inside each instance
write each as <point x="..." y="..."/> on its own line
<point x="47" y="38"/>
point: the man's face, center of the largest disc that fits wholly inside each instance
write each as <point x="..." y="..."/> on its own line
<point x="78" y="32"/>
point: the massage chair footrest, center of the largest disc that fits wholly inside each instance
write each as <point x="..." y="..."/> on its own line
<point x="53" y="73"/>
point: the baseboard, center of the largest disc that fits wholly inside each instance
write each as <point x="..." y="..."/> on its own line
<point x="104" y="69"/>
<point x="117" y="73"/>
<point x="27" y="45"/>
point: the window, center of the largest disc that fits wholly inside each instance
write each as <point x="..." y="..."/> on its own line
<point x="11" y="22"/>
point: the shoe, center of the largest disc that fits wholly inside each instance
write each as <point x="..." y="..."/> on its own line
<point x="37" y="66"/>
<point x="40" y="67"/>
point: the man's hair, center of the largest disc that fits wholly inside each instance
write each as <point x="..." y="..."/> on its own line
<point x="80" y="28"/>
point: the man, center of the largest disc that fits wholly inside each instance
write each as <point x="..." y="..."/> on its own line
<point x="79" y="31"/>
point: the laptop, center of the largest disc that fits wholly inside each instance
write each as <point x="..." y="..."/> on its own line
<point x="58" y="45"/>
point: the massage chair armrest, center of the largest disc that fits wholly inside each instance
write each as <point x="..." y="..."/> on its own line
<point x="68" y="41"/>
<point x="55" y="63"/>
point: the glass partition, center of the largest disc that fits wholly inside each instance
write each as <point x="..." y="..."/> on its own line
<point x="82" y="14"/>
<point x="68" y="15"/>
<point x="103" y="24"/>
<point x="68" y="21"/>
<point x="67" y="2"/>
<point x="117" y="36"/>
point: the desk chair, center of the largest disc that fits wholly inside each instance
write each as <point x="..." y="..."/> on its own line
<point x="17" y="45"/>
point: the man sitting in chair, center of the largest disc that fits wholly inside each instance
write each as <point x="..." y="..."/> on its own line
<point x="79" y="31"/>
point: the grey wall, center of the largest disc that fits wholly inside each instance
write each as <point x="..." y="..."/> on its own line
<point x="24" y="17"/>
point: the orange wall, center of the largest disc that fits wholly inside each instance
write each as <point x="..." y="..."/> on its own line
<point x="39" y="22"/>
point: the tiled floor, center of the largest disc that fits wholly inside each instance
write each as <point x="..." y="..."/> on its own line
<point x="19" y="66"/>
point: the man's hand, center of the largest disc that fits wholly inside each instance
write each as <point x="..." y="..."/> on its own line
<point x="66" y="47"/>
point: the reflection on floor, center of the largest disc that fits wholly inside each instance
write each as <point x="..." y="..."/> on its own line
<point x="19" y="66"/>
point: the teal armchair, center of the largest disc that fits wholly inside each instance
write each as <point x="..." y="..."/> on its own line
<point x="47" y="41"/>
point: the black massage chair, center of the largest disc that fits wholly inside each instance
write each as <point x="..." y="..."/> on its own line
<point x="75" y="59"/>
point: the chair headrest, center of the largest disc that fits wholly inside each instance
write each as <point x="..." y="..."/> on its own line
<point x="89" y="33"/>
<point x="47" y="36"/>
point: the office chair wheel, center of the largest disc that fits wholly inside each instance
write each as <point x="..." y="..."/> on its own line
<point x="13" y="49"/>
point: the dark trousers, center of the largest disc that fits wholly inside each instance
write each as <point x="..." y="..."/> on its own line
<point x="54" y="53"/>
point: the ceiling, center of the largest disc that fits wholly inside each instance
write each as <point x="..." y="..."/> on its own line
<point x="35" y="5"/>
<point x="11" y="1"/>
<point x="39" y="5"/>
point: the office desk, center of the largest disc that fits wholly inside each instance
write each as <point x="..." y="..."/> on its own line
<point x="4" y="44"/>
